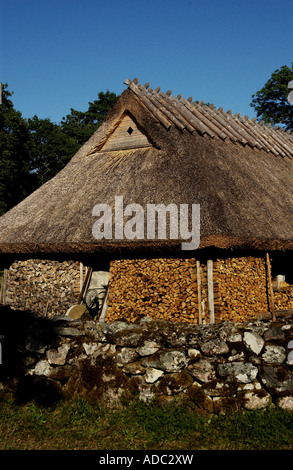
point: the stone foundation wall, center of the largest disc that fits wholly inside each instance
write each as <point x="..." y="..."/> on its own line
<point x="220" y="368"/>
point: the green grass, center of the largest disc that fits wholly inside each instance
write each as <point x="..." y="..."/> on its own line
<point x="80" y="425"/>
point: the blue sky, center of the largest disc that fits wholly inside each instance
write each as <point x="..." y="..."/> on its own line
<point x="59" y="54"/>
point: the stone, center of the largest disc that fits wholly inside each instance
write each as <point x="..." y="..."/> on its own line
<point x="236" y="356"/>
<point x="215" y="347"/>
<point x="286" y="403"/>
<point x="174" y="383"/>
<point x="125" y="355"/>
<point x="274" y="354"/>
<point x="168" y="361"/>
<point x="42" y="368"/>
<point x="67" y="331"/>
<point x="254" y="400"/>
<point x="173" y="361"/>
<point x="58" y="357"/>
<point x="146" y="394"/>
<point x="242" y="372"/>
<point x="116" y="326"/>
<point x="234" y="338"/>
<point x="149" y="347"/>
<point x="152" y="374"/>
<point x="253" y="342"/>
<point x="129" y="338"/>
<point x="133" y="368"/>
<point x="203" y="370"/>
<point x="274" y="333"/>
<point x="194" y="354"/>
<point x="277" y="379"/>
<point x="93" y="350"/>
<point x="96" y="330"/>
<point x="216" y="388"/>
<point x="290" y="358"/>
<point x="61" y="373"/>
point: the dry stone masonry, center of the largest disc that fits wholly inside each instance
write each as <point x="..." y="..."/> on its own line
<point x="218" y="368"/>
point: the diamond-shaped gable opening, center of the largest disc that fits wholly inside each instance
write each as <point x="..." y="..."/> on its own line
<point x="126" y="136"/>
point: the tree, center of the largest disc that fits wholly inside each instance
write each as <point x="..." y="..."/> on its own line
<point x="81" y="125"/>
<point x="49" y="150"/>
<point x="53" y="145"/>
<point x="16" y="180"/>
<point x="271" y="102"/>
<point x="34" y="150"/>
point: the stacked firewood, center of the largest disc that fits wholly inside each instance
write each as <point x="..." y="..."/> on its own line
<point x="168" y="289"/>
<point x="242" y="288"/>
<point x="45" y="287"/>
<point x="164" y="289"/>
<point x="283" y="298"/>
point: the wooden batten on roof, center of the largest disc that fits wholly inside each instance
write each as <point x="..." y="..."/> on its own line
<point x="206" y="119"/>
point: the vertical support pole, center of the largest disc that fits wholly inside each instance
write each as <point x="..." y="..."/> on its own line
<point x="199" y="292"/>
<point x="85" y="284"/>
<point x="270" y="287"/>
<point x="3" y="287"/>
<point x="211" y="291"/>
<point x="80" y="276"/>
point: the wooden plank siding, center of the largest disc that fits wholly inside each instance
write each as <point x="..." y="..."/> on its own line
<point x="126" y="136"/>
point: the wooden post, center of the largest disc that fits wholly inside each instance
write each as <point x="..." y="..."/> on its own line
<point x="3" y="288"/>
<point x="199" y="292"/>
<point x="80" y="276"/>
<point x="210" y="291"/>
<point x="85" y="284"/>
<point x="270" y="287"/>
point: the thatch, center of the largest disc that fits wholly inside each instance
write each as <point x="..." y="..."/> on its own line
<point x="239" y="172"/>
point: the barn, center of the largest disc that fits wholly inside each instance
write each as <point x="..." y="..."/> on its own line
<point x="82" y="237"/>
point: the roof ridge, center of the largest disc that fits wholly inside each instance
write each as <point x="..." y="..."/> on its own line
<point x="202" y="118"/>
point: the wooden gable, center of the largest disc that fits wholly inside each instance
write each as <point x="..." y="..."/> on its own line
<point x="126" y="136"/>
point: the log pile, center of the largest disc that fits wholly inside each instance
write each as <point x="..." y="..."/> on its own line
<point x="168" y="289"/>
<point x="283" y="298"/>
<point x="163" y="289"/>
<point x="47" y="288"/>
<point x="242" y="288"/>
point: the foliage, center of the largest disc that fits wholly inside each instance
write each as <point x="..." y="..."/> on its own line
<point x="16" y="180"/>
<point x="34" y="150"/>
<point x="271" y="102"/>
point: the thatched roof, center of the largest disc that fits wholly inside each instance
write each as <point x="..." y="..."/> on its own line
<point x="183" y="152"/>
